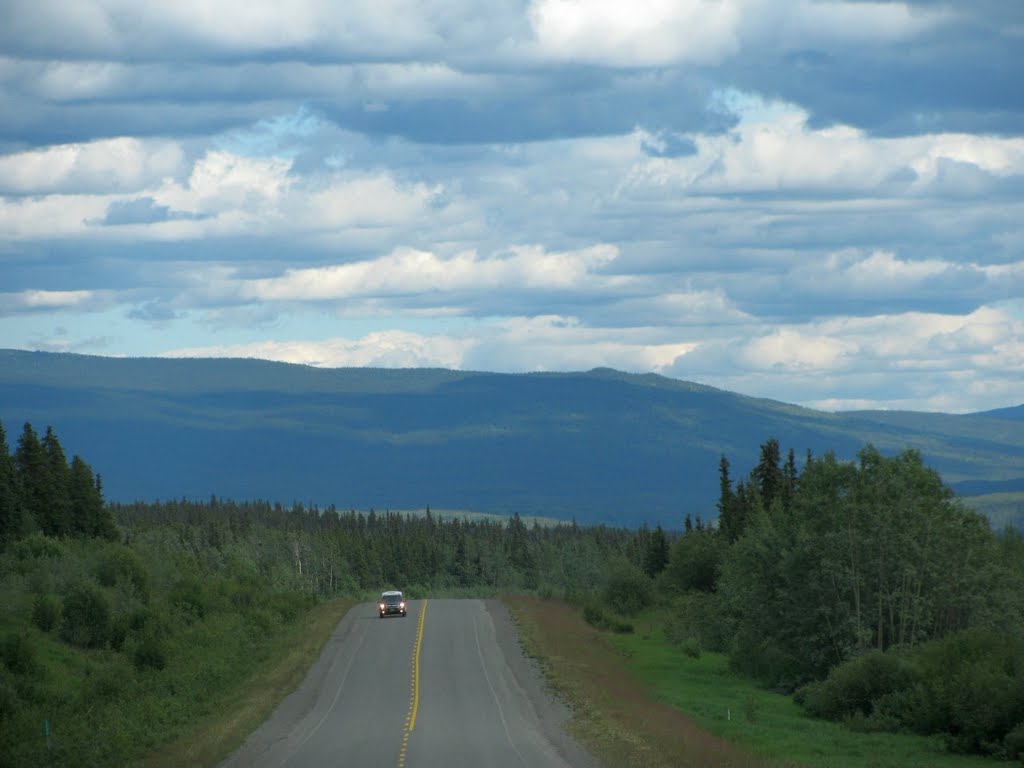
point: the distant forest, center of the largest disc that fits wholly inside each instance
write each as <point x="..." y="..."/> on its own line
<point x="864" y="588"/>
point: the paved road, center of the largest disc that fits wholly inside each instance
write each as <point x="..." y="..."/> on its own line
<point x="445" y="686"/>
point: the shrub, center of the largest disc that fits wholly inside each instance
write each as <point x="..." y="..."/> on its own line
<point x="1014" y="743"/>
<point x="698" y="615"/>
<point x="46" y="610"/>
<point x="151" y="652"/>
<point x="119" y="563"/>
<point x="855" y="685"/>
<point x="596" y="616"/>
<point x="36" y="546"/>
<point x="690" y="647"/>
<point x="627" y="589"/>
<point x="109" y="682"/>
<point x="189" y="597"/>
<point x="18" y="655"/>
<point x="87" y="617"/>
<point x="593" y="614"/>
<point x="8" y="699"/>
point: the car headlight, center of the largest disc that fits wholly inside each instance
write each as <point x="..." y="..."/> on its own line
<point x="402" y="606"/>
<point x="382" y="606"/>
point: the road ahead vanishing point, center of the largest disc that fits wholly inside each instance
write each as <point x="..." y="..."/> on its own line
<point x="446" y="685"/>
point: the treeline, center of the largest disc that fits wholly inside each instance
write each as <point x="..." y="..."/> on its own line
<point x="41" y="491"/>
<point x="866" y="588"/>
<point x="327" y="551"/>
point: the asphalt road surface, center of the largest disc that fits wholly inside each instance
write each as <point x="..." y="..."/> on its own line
<point x="446" y="685"/>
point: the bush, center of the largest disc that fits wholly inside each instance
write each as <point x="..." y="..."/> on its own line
<point x="189" y="597"/>
<point x="46" y="611"/>
<point x="87" y="617"/>
<point x="690" y="647"/>
<point x="36" y="546"/>
<point x="151" y="652"/>
<point x="855" y="685"/>
<point x="698" y="615"/>
<point x="627" y="589"/>
<point x="8" y="699"/>
<point x="119" y="563"/>
<point x="1014" y="743"/>
<point x="596" y="616"/>
<point x="109" y="682"/>
<point x="972" y="689"/>
<point x="18" y="655"/>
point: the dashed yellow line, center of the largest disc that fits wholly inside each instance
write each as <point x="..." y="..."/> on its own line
<point x="414" y="698"/>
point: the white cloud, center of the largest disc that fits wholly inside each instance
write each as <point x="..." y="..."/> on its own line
<point x="663" y="32"/>
<point x="639" y="33"/>
<point x="45" y="300"/>
<point x="387" y="349"/>
<point x="408" y="271"/>
<point x="781" y="152"/>
<point x="122" y="164"/>
<point x="519" y="344"/>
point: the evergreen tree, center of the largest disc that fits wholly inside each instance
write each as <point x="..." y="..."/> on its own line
<point x="728" y="524"/>
<point x="790" y="475"/>
<point x="58" y="494"/>
<point x="89" y="515"/>
<point x="33" y="472"/>
<point x="768" y="474"/>
<point x="657" y="554"/>
<point x="10" y="505"/>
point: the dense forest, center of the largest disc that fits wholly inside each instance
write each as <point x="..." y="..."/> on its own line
<point x="865" y="589"/>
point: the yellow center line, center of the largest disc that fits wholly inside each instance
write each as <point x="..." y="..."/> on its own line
<point x="416" y="667"/>
<point x="414" y="703"/>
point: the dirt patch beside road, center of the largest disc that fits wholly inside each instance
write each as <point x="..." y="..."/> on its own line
<point x="614" y="717"/>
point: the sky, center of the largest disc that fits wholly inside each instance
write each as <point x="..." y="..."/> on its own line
<point x="815" y="201"/>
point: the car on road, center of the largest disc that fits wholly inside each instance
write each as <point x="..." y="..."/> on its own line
<point x="392" y="603"/>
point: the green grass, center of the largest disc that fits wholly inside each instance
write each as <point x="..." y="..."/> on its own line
<point x="738" y="710"/>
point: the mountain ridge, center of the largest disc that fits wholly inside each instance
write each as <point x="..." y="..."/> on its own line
<point x="598" y="446"/>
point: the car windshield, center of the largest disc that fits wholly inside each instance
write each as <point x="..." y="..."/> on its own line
<point x="392" y="599"/>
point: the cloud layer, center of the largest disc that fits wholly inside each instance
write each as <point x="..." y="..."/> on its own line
<point x="816" y="201"/>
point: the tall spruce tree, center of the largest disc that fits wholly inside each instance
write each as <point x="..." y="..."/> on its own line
<point x="657" y="553"/>
<point x="89" y="515"/>
<point x="768" y="473"/>
<point x="10" y="504"/>
<point x="33" y="472"/>
<point x="728" y="524"/>
<point x="58" y="489"/>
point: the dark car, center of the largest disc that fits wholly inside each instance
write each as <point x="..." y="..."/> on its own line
<point x="391" y="604"/>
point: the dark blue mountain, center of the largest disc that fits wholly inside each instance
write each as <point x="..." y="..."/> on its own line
<point x="599" y="446"/>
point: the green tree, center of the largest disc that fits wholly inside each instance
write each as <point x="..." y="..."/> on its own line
<point x="11" y="523"/>
<point x="729" y="519"/>
<point x="58" y="487"/>
<point x="33" y="472"/>
<point x="656" y="556"/>
<point x="694" y="561"/>
<point x="768" y="473"/>
<point x="89" y="515"/>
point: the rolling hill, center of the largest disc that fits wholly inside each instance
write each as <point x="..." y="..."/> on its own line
<point x="597" y="446"/>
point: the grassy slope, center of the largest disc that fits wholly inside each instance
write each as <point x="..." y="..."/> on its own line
<point x="639" y="701"/>
<point x="245" y="706"/>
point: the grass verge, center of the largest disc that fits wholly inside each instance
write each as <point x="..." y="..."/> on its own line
<point x="640" y="701"/>
<point x="737" y="709"/>
<point x="614" y="715"/>
<point x="243" y="709"/>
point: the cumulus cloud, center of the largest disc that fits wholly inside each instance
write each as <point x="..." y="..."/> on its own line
<point x="123" y="164"/>
<point x="385" y="349"/>
<point x="819" y="200"/>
